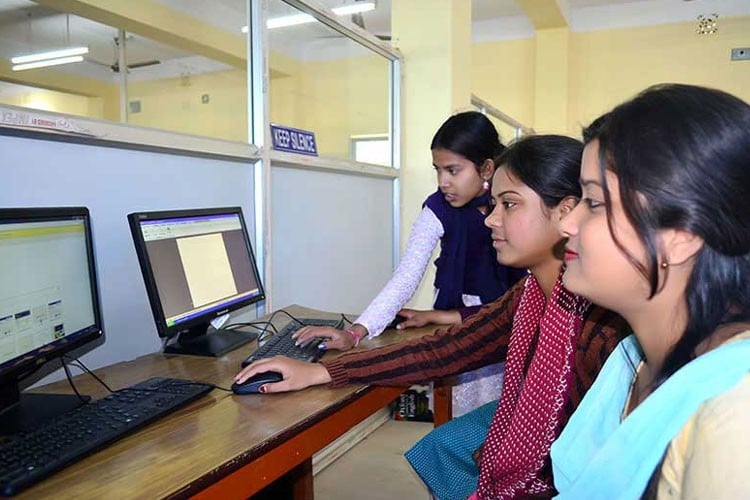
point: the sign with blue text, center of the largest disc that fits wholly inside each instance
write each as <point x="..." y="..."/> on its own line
<point x="293" y="140"/>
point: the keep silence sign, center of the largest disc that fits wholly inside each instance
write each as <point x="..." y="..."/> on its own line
<point x="293" y="140"/>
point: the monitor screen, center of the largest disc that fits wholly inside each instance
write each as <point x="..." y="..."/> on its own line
<point x="197" y="265"/>
<point x="48" y="293"/>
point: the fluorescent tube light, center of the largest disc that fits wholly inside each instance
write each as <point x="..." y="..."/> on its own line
<point x="354" y="8"/>
<point x="295" y="19"/>
<point x="47" y="62"/>
<point x="55" y="54"/>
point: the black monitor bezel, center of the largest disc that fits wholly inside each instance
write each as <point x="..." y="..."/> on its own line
<point x="152" y="291"/>
<point x="19" y="367"/>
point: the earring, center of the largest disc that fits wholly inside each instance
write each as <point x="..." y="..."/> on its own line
<point x="486" y="185"/>
<point x="664" y="265"/>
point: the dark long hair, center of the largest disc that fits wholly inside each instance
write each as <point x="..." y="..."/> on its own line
<point x="548" y="164"/>
<point x="681" y="154"/>
<point x="469" y="134"/>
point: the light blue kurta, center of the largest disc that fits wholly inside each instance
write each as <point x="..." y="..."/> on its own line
<point x="599" y="456"/>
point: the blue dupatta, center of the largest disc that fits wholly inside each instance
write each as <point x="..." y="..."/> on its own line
<point x="598" y="456"/>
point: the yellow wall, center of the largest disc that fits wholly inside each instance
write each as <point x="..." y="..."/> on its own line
<point x="334" y="99"/>
<point x="607" y="67"/>
<point x="344" y="98"/>
<point x="175" y="104"/>
<point x="60" y="102"/>
<point x="503" y="75"/>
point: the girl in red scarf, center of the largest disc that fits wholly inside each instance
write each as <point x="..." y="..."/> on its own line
<point x="554" y="342"/>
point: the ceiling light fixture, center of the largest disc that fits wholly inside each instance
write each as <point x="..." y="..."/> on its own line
<point x="295" y="19"/>
<point x="355" y="8"/>
<point x="68" y="55"/>
<point x="54" y="54"/>
<point x="47" y="62"/>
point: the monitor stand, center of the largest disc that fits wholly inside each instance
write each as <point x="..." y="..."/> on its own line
<point x="205" y="340"/>
<point x="32" y="410"/>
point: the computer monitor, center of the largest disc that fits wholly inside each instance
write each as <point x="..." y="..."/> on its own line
<point x="49" y="304"/>
<point x="197" y="265"/>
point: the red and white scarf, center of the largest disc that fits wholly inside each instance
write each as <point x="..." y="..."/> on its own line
<point x="527" y="419"/>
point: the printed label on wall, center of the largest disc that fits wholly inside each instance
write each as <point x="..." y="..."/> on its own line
<point x="23" y="119"/>
<point x="293" y="140"/>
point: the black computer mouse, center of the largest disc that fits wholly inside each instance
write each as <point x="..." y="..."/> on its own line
<point x="253" y="384"/>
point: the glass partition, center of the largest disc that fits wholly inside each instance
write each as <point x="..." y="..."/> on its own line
<point x="46" y="61"/>
<point x="175" y="90"/>
<point x="181" y="67"/>
<point x="325" y="83"/>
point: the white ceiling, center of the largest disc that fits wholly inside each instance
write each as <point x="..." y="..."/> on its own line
<point x="26" y="27"/>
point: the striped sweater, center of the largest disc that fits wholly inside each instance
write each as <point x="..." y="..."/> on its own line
<point x="480" y="340"/>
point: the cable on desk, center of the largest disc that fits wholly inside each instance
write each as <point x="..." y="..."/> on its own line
<point x="252" y="324"/>
<point x="301" y="321"/>
<point x="346" y="320"/>
<point x="79" y="364"/>
<point x="70" y="380"/>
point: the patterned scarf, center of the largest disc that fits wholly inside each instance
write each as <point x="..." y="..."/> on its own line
<point x="528" y="416"/>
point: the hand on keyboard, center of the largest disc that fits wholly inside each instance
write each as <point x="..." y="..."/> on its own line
<point x="334" y="338"/>
<point x="308" y="334"/>
<point x="283" y="343"/>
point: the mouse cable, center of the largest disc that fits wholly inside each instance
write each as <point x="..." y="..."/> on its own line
<point x="301" y="321"/>
<point x="345" y="320"/>
<point x="81" y="366"/>
<point x="258" y="325"/>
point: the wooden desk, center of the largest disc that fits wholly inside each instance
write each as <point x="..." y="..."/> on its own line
<point x="222" y="445"/>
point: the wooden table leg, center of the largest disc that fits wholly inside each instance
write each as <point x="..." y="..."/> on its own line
<point x="442" y="403"/>
<point x="297" y="484"/>
<point x="302" y="481"/>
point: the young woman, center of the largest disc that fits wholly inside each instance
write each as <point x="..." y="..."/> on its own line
<point x="554" y="343"/>
<point x="663" y="237"/>
<point x="467" y="272"/>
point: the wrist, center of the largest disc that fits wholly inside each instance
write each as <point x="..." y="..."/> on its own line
<point x="356" y="333"/>
<point x="322" y="376"/>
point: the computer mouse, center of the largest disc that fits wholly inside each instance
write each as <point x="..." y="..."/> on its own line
<point x="398" y="319"/>
<point x="252" y="385"/>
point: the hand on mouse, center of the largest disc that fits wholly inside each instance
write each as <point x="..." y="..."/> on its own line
<point x="297" y="374"/>
<point x="415" y="319"/>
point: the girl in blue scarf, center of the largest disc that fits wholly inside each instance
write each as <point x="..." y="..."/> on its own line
<point x="662" y="236"/>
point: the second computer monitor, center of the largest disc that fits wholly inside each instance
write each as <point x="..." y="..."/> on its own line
<point x="197" y="265"/>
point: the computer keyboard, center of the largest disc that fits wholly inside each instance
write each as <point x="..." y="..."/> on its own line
<point x="282" y="343"/>
<point x="27" y="458"/>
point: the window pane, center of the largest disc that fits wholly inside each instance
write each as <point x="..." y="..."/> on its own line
<point x="78" y="87"/>
<point x="325" y="83"/>
<point x="194" y="83"/>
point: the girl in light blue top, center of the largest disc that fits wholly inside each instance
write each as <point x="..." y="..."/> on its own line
<point x="662" y="236"/>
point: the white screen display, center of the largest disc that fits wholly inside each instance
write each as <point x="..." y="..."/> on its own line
<point x="45" y="290"/>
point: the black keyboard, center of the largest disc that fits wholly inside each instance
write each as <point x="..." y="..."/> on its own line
<point x="27" y="458"/>
<point x="282" y="343"/>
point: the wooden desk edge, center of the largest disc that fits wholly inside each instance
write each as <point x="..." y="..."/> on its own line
<point x="263" y="470"/>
